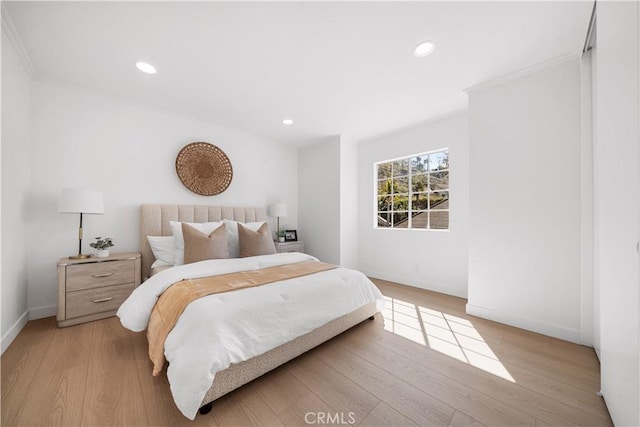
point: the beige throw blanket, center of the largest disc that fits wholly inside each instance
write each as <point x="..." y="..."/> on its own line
<point x="174" y="300"/>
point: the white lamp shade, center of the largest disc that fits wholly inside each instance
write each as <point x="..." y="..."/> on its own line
<point x="278" y="209"/>
<point x="81" y="201"/>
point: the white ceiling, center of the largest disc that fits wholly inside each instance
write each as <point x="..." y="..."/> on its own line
<point x="333" y="67"/>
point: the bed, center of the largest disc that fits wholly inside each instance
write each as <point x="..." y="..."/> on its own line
<point x="154" y="221"/>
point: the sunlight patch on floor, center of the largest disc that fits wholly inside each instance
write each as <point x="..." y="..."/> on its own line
<point x="450" y="335"/>
<point x="400" y="319"/>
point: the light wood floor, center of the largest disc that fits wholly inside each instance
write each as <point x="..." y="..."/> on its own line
<point x="434" y="365"/>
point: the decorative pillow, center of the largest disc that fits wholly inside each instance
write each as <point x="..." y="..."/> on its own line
<point x="253" y="243"/>
<point x="232" y="234"/>
<point x="176" y="230"/>
<point x="163" y="248"/>
<point x="199" y="246"/>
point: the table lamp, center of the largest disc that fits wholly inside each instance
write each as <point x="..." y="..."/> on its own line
<point x="82" y="202"/>
<point x="278" y="210"/>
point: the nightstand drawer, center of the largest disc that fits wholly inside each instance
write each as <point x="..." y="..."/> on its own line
<point x="99" y="274"/>
<point x="289" y="247"/>
<point x="91" y="301"/>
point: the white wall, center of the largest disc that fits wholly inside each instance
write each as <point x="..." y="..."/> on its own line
<point x="595" y="196"/>
<point x="587" y="307"/>
<point x="617" y="182"/>
<point x="525" y="205"/>
<point x="435" y="260"/>
<point x="349" y="203"/>
<point x="16" y="87"/>
<point x="319" y="199"/>
<point x="85" y="139"/>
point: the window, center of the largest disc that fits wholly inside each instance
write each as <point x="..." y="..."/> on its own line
<point x="413" y="192"/>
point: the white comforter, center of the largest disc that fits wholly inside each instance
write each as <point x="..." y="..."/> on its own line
<point x="221" y="329"/>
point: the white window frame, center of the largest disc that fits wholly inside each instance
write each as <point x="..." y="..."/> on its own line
<point x="411" y="193"/>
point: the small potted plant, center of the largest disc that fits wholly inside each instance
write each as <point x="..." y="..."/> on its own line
<point x="280" y="234"/>
<point x="102" y="246"/>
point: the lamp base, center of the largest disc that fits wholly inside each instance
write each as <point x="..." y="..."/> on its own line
<point x="80" y="256"/>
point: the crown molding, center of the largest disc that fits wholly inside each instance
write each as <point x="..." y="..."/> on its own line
<point x="590" y="40"/>
<point x="522" y="72"/>
<point x="12" y="34"/>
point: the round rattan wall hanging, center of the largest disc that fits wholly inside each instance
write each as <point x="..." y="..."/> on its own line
<point x="204" y="168"/>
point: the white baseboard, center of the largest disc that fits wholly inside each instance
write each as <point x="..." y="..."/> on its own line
<point x="13" y="331"/>
<point x="42" y="312"/>
<point x="416" y="283"/>
<point x="30" y="314"/>
<point x="555" y="331"/>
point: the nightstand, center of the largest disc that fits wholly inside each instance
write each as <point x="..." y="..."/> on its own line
<point x="93" y="288"/>
<point x="282" y="247"/>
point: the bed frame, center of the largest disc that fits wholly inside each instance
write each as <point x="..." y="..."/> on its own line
<point x="154" y="221"/>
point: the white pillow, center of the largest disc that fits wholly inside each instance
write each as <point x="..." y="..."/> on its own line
<point x="158" y="266"/>
<point x="160" y="263"/>
<point x="163" y="248"/>
<point x="176" y="230"/>
<point x="232" y="235"/>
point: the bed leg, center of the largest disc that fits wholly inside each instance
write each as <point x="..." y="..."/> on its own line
<point x="371" y="318"/>
<point x="206" y="408"/>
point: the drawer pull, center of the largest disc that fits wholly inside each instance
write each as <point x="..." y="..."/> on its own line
<point x="103" y="274"/>
<point x="103" y="299"/>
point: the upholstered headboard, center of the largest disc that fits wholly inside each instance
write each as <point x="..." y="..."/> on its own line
<point x="154" y="221"/>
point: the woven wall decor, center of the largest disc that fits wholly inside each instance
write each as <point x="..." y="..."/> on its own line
<point x="204" y="168"/>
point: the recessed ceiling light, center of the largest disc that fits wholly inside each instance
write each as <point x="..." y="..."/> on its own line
<point x="145" y="67"/>
<point x="287" y="122"/>
<point x="424" y="49"/>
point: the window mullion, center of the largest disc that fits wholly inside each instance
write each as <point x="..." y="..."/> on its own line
<point x="410" y="195"/>
<point x="428" y="199"/>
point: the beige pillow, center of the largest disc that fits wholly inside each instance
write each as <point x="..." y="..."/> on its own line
<point x="232" y="235"/>
<point x="199" y="246"/>
<point x="176" y="230"/>
<point x="253" y="243"/>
